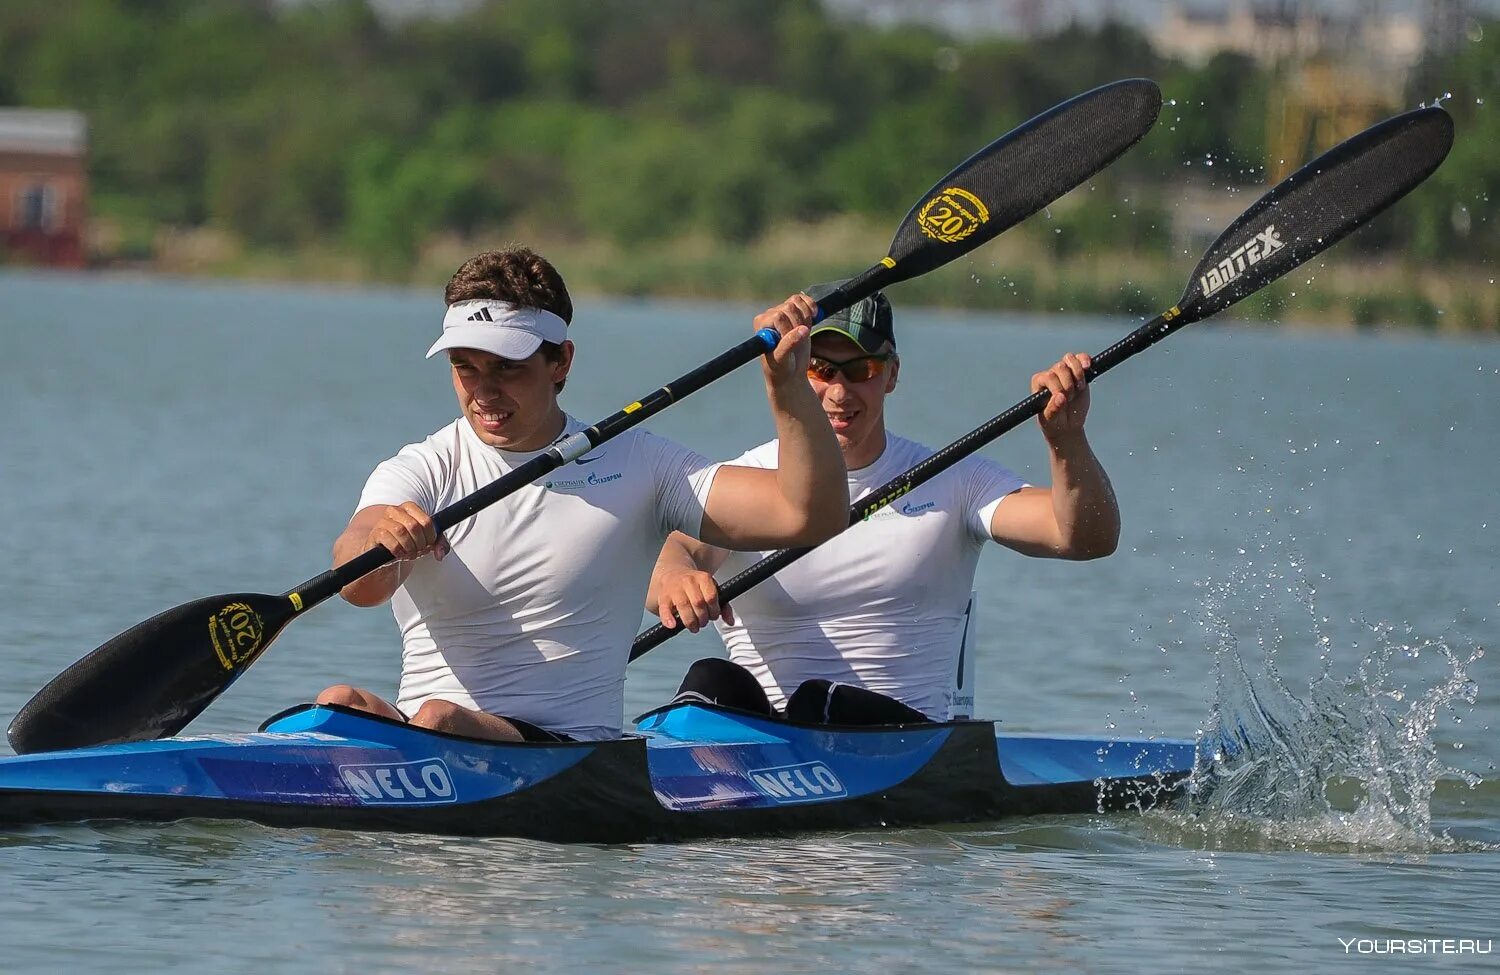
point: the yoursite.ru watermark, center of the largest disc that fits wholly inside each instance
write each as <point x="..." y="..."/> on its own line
<point x="1417" y="946"/>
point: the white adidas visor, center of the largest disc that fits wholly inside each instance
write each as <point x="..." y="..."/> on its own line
<point x="499" y="328"/>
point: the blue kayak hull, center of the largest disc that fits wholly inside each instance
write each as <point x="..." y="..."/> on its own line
<point x="692" y="772"/>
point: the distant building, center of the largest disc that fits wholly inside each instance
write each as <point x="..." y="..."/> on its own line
<point x="1272" y="31"/>
<point x="43" y="185"/>
<point x="966" y="18"/>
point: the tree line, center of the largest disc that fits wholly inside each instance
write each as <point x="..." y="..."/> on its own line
<point x="636" y="120"/>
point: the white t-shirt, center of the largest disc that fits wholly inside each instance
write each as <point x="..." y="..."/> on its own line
<point x="882" y="605"/>
<point x="532" y="613"/>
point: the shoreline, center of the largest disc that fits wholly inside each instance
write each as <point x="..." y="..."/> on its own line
<point x="1009" y="313"/>
<point x="1017" y="273"/>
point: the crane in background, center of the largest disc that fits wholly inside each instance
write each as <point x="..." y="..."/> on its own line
<point x="1344" y="72"/>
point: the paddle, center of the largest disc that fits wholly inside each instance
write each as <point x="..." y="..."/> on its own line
<point x="1299" y="218"/>
<point x="154" y="678"/>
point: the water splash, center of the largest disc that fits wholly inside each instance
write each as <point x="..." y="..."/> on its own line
<point x="1337" y="760"/>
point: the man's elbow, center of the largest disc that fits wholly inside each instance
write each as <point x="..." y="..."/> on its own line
<point x="1088" y="549"/>
<point x="820" y="522"/>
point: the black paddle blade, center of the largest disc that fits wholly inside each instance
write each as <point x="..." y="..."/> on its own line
<point x="1020" y="173"/>
<point x="1317" y="206"/>
<point x="170" y="667"/>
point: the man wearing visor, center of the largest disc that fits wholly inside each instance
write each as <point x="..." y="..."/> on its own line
<point x="515" y="624"/>
<point x="868" y="628"/>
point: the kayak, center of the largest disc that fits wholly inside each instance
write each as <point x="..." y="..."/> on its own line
<point x="693" y="771"/>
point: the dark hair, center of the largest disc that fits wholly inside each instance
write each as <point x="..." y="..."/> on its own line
<point x="520" y="276"/>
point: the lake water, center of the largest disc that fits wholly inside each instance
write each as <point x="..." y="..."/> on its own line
<point x="1311" y="546"/>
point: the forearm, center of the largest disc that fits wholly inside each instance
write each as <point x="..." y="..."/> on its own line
<point x="683" y="590"/>
<point x="1083" y="501"/>
<point x="675" y="558"/>
<point x="373" y="588"/>
<point x="810" y="477"/>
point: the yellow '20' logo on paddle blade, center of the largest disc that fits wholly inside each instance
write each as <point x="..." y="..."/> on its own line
<point x="237" y="632"/>
<point x="952" y="215"/>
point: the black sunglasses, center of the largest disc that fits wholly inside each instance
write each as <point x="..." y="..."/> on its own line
<point x="856" y="370"/>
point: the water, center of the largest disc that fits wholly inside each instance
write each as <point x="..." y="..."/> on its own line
<point x="1308" y="571"/>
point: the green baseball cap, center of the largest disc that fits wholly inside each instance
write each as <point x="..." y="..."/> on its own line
<point x="868" y="321"/>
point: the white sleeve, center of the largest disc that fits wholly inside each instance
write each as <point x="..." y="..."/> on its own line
<point x="414" y="474"/>
<point x="766" y="457"/>
<point x="985" y="485"/>
<point x="683" y="478"/>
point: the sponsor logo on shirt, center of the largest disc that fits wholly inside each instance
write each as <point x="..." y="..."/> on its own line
<point x="907" y="510"/>
<point x="425" y="782"/>
<point x="574" y="483"/>
<point x="808" y="782"/>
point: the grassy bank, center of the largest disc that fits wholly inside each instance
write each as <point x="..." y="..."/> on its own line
<point x="1016" y="272"/>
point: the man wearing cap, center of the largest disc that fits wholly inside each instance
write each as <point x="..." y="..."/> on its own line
<point x="868" y="628"/>
<point x="516" y="623"/>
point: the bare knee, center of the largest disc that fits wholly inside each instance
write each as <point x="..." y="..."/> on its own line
<point x="455" y="719"/>
<point x="345" y="695"/>
<point x="440" y="715"/>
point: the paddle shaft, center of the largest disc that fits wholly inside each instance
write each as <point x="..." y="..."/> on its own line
<point x="1142" y="338"/>
<point x="320" y="587"/>
<point x="1300" y="217"/>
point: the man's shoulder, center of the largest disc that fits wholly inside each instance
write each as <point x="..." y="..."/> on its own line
<point x="444" y="442"/>
<point x="642" y="451"/>
<point x="905" y="447"/>
<point x="642" y="443"/>
<point x="765" y="455"/>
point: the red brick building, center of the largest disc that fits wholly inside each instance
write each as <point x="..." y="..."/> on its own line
<point x="43" y="186"/>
